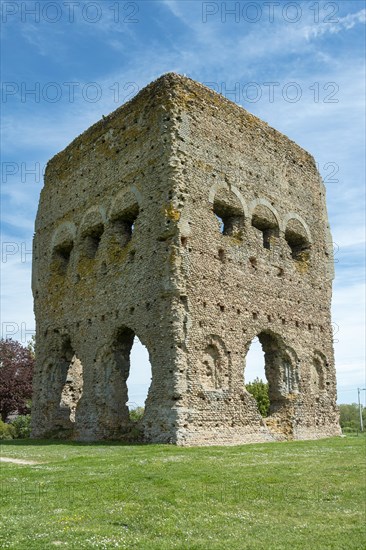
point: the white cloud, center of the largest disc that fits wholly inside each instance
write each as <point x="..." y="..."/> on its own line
<point x="343" y="23"/>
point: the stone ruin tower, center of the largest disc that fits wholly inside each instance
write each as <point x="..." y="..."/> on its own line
<point x="185" y="220"/>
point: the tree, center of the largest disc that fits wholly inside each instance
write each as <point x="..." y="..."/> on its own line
<point x="350" y="416"/>
<point x="16" y="373"/>
<point x="259" y="391"/>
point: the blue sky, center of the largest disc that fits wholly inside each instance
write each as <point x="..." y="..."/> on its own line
<point x="297" y="65"/>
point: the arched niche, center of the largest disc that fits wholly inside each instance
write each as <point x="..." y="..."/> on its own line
<point x="62" y="244"/>
<point x="91" y="231"/>
<point x="265" y="220"/>
<point x="214" y="368"/>
<point x="318" y="373"/>
<point x="229" y="208"/>
<point x="298" y="238"/>
<point x="123" y="214"/>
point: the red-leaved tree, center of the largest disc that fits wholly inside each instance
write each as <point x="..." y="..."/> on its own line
<point x="16" y="373"/>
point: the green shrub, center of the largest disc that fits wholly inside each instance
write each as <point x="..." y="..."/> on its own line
<point x="259" y="391"/>
<point x="22" y="426"/>
<point x="137" y="414"/>
<point x="7" y="431"/>
<point x="350" y="416"/>
<point x="349" y="430"/>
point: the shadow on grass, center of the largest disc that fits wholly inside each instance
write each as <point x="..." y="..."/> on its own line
<point x="44" y="442"/>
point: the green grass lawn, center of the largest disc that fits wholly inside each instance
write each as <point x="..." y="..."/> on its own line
<point x="295" y="495"/>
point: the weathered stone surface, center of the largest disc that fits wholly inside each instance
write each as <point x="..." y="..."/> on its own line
<point x="183" y="219"/>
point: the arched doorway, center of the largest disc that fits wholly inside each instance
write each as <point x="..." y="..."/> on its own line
<point x="281" y="368"/>
<point x="110" y="391"/>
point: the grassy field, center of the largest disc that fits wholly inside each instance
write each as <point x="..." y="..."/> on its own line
<point x="294" y="495"/>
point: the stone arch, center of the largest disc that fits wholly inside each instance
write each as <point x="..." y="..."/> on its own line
<point x="265" y="219"/>
<point x="62" y="244"/>
<point x="293" y="216"/>
<point x="92" y="212"/>
<point x="124" y="200"/>
<point x="123" y="214"/>
<point x="215" y="365"/>
<point x="281" y="368"/>
<point x="264" y="202"/>
<point x="229" y="207"/>
<point x="91" y="230"/>
<point x="62" y="231"/>
<point x="233" y="189"/>
<point x="298" y="238"/>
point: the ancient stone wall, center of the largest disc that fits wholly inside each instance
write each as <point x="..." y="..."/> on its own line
<point x="184" y="220"/>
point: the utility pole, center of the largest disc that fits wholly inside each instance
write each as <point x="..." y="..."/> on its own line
<point x="359" y="390"/>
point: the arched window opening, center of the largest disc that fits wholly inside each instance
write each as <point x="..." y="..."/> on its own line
<point x="265" y="221"/>
<point x="61" y="256"/>
<point x="298" y="241"/>
<point x="91" y="240"/>
<point x="298" y="244"/>
<point x="124" y="224"/>
<point x="71" y="373"/>
<point x="229" y="213"/>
